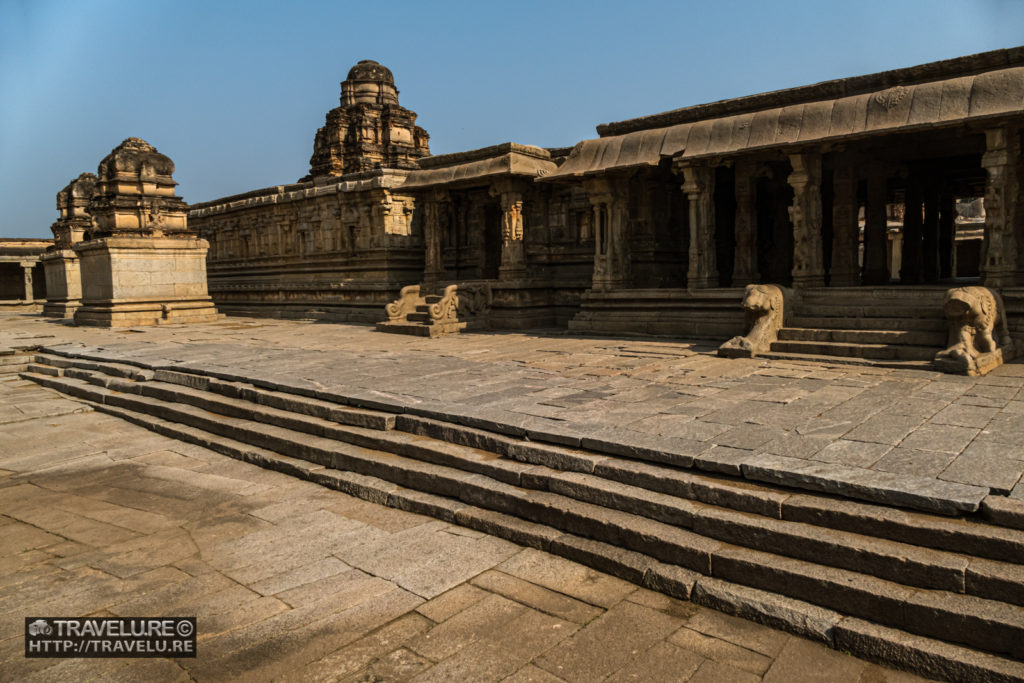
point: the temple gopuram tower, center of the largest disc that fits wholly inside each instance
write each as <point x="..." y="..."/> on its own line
<point x="60" y="262"/>
<point x="140" y="263"/>
<point x="369" y="130"/>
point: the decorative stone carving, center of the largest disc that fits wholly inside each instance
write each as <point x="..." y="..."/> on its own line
<point x="369" y="130"/>
<point x="475" y="299"/>
<point x="447" y="309"/>
<point x="979" y="340"/>
<point x="458" y="306"/>
<point x="999" y="249"/>
<point x="699" y="187"/>
<point x="611" y="243"/>
<point x="764" y="306"/>
<point x="805" y="214"/>
<point x="406" y="303"/>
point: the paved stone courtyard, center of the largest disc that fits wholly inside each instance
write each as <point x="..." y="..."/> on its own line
<point x="291" y="581"/>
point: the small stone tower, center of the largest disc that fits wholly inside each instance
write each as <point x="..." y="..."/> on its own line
<point x="140" y="263"/>
<point x="135" y="194"/>
<point x="60" y="263"/>
<point x="369" y="130"/>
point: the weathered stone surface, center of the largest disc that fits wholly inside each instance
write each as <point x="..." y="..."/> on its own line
<point x="928" y="657"/>
<point x="567" y="577"/>
<point x="1005" y="511"/>
<point x="537" y="597"/>
<point x="802" y="618"/>
<point x="919" y="492"/>
<point x="608" y="643"/>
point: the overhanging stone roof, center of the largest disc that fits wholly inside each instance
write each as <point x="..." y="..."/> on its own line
<point x="893" y="108"/>
<point x="505" y="159"/>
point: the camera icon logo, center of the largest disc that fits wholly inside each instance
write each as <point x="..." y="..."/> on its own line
<point x="40" y="627"/>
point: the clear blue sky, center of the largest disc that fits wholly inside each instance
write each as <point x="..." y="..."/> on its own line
<point x="233" y="92"/>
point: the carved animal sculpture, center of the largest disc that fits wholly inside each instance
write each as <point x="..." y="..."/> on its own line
<point x="978" y="334"/>
<point x="764" y="307"/>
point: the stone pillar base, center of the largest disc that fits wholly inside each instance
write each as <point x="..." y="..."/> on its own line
<point x="60" y="309"/>
<point x="133" y="281"/>
<point x="152" y="313"/>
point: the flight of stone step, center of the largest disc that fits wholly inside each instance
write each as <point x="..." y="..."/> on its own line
<point x="942" y="594"/>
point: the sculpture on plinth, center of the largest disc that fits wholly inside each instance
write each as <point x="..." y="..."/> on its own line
<point x="764" y="306"/>
<point x="979" y="339"/>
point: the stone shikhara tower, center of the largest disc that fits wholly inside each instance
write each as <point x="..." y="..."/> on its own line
<point x="140" y="264"/>
<point x="369" y="130"/>
<point x="63" y="275"/>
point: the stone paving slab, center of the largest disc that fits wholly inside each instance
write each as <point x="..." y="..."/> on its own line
<point x="294" y="582"/>
<point x="897" y="437"/>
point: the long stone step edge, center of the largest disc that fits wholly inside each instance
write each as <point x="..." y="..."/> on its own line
<point x="705" y="491"/>
<point x="736" y="564"/>
<point x="856" y="636"/>
<point x="935" y="568"/>
<point x="849" y="482"/>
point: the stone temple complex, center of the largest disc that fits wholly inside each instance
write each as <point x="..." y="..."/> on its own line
<point x="844" y="194"/>
<point x="840" y="246"/>
<point x="879" y="217"/>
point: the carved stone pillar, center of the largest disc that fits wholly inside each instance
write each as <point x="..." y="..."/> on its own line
<point x="805" y="214"/>
<point x="876" y="271"/>
<point x="699" y="186"/>
<point x="930" y="252"/>
<point x="910" y="271"/>
<point x="513" y="246"/>
<point x="26" y="269"/>
<point x="845" y="270"/>
<point x="947" y="234"/>
<point x="434" y="226"/>
<point x="611" y="241"/>
<point x="745" y="265"/>
<point x="999" y="248"/>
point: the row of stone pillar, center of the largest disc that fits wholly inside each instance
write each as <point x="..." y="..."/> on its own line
<point x="928" y="229"/>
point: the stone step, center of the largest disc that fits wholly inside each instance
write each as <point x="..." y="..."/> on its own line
<point x="895" y="561"/>
<point x="869" y="309"/>
<point x="841" y="360"/>
<point x="898" y="324"/>
<point x="410" y="328"/>
<point x="646" y="466"/>
<point x="973" y="621"/>
<point x="869" y="351"/>
<point x="908" y="295"/>
<point x="862" y="638"/>
<point x="863" y="336"/>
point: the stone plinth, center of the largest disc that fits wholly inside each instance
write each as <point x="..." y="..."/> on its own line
<point x="131" y="281"/>
<point x="63" y="283"/>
